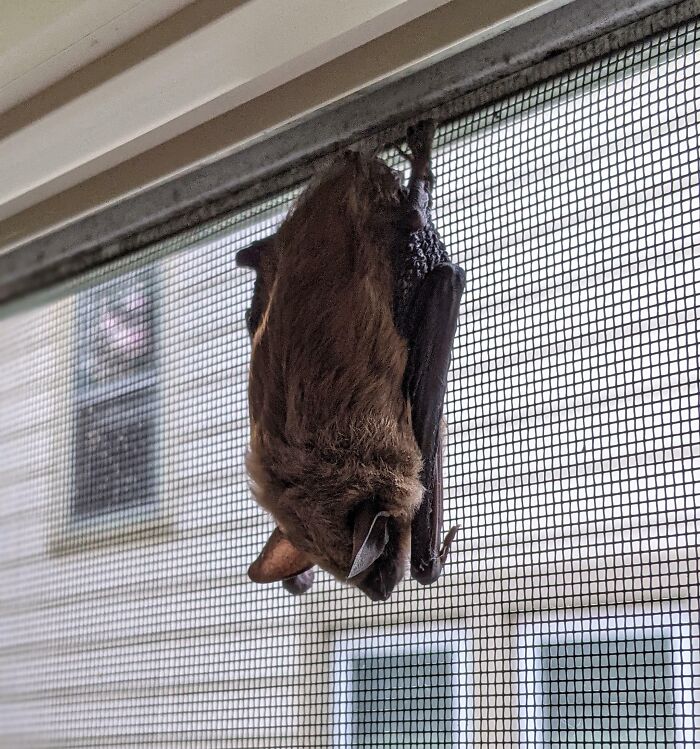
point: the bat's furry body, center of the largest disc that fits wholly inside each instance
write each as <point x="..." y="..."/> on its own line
<point x="331" y="427"/>
<point x="352" y="319"/>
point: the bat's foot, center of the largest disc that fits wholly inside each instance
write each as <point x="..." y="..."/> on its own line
<point x="419" y="138"/>
<point x="299" y="583"/>
<point x="427" y="574"/>
<point x="420" y="141"/>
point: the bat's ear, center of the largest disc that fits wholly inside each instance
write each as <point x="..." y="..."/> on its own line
<point x="279" y="560"/>
<point x="369" y="539"/>
<point x="249" y="257"/>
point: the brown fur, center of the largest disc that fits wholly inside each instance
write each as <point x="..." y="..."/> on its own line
<point x="331" y="428"/>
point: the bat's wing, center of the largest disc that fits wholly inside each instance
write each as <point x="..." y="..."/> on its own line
<point x="434" y="322"/>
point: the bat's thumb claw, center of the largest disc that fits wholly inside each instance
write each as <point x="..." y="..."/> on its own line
<point x="429" y="573"/>
<point x="449" y="538"/>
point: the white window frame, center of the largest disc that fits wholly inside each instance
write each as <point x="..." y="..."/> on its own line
<point x="678" y="624"/>
<point x="394" y="641"/>
<point x="131" y="384"/>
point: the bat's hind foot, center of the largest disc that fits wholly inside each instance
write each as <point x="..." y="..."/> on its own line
<point x="420" y="140"/>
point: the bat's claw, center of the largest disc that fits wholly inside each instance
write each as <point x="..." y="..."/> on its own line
<point x="299" y="583"/>
<point x="449" y="538"/>
<point x="419" y="138"/>
<point x="428" y="573"/>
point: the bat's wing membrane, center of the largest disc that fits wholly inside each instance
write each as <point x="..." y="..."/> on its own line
<point x="434" y="314"/>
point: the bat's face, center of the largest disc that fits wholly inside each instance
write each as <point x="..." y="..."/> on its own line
<point x="368" y="549"/>
<point x="388" y="538"/>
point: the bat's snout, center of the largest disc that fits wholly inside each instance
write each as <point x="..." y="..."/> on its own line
<point x="378" y="595"/>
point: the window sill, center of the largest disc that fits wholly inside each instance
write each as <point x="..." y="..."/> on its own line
<point x="123" y="528"/>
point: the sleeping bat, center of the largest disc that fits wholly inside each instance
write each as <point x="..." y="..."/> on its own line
<point x="352" y="320"/>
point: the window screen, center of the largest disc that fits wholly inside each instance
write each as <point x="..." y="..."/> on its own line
<point x="568" y="614"/>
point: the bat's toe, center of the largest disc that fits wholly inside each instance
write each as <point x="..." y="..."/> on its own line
<point x="420" y="137"/>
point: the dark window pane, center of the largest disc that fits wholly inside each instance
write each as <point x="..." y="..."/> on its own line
<point x="402" y="700"/>
<point x="114" y="454"/>
<point x="615" y="693"/>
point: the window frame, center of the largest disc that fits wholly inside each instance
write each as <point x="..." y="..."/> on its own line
<point x="68" y="532"/>
<point x="678" y="623"/>
<point x="397" y="640"/>
<point x="128" y="385"/>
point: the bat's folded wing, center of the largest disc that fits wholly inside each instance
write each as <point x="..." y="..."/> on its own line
<point x="434" y="323"/>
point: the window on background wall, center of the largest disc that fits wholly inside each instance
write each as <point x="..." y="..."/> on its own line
<point x="416" y="680"/>
<point x="619" y="682"/>
<point x="116" y="397"/>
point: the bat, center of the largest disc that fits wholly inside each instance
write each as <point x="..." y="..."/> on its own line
<point x="352" y="321"/>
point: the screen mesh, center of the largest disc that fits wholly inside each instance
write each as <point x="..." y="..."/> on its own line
<point x="568" y="613"/>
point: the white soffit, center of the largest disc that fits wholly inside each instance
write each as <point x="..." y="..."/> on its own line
<point x="42" y="42"/>
<point x="257" y="46"/>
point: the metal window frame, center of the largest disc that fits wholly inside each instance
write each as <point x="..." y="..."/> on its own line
<point x="565" y="38"/>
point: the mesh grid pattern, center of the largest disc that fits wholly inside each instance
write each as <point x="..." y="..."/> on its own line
<point x="568" y="613"/>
